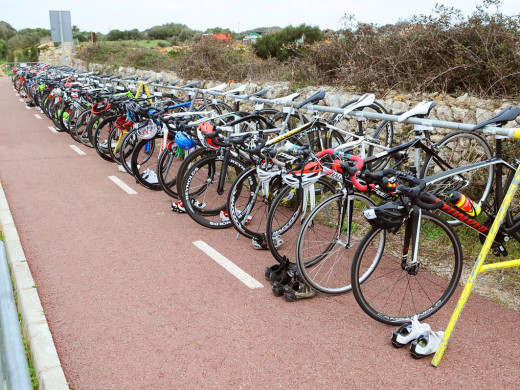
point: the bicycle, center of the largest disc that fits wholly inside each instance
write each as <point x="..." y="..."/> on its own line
<point x="383" y="260"/>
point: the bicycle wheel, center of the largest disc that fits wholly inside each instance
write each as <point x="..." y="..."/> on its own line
<point x="392" y="295"/>
<point x="324" y="249"/>
<point x="100" y="138"/>
<point x="206" y="189"/>
<point x="128" y="143"/>
<point x="115" y="137"/>
<point x="378" y="132"/>
<point x="286" y="215"/>
<point x="79" y="128"/>
<point x="459" y="150"/>
<point x="249" y="201"/>
<point x="168" y="165"/>
<point x="191" y="158"/>
<point x="144" y="162"/>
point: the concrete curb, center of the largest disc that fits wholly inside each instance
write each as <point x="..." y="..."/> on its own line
<point x="45" y="357"/>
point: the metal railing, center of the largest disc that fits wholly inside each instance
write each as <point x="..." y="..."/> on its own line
<point x="14" y="372"/>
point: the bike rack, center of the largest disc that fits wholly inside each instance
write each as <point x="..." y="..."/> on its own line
<point x="479" y="266"/>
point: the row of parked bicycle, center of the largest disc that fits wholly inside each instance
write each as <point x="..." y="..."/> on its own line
<point x="339" y="206"/>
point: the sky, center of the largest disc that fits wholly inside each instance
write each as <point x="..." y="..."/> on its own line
<point x="237" y="15"/>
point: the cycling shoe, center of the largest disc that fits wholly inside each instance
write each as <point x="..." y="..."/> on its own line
<point x="298" y="290"/>
<point x="408" y="332"/>
<point x="426" y="344"/>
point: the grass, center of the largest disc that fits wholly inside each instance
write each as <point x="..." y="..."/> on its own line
<point x="143" y="43"/>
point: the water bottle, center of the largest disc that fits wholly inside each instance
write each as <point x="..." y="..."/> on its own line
<point x="465" y="204"/>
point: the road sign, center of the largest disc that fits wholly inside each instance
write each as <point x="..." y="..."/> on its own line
<point x="61" y="29"/>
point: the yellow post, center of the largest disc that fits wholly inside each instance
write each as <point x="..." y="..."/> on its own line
<point x="476" y="268"/>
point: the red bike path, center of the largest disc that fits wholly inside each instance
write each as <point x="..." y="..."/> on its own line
<point x="132" y="303"/>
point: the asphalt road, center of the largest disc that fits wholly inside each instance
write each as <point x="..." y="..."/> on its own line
<point x="132" y="303"/>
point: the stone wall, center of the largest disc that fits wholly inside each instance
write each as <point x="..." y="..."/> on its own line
<point x="465" y="108"/>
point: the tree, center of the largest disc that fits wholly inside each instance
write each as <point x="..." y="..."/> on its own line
<point x="279" y="44"/>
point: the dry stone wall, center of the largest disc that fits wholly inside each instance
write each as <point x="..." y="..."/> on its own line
<point x="465" y="108"/>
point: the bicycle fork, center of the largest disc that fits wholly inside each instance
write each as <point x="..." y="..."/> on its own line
<point x="347" y="208"/>
<point x="411" y="234"/>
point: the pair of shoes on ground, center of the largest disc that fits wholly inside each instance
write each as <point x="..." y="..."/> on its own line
<point x="260" y="243"/>
<point x="178" y="207"/>
<point x="423" y="340"/>
<point x="150" y="176"/>
<point x="288" y="283"/>
<point x="224" y="217"/>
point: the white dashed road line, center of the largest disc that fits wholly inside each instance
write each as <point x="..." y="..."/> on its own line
<point x="77" y="150"/>
<point x="37" y="116"/>
<point x="28" y="107"/>
<point x="21" y="100"/>
<point x="122" y="185"/>
<point x="231" y="267"/>
<point x="52" y="129"/>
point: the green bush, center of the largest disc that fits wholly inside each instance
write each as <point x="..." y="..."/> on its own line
<point x="281" y="44"/>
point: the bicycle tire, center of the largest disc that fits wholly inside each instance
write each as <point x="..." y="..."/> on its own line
<point x="387" y="292"/>
<point x="322" y="257"/>
<point x="459" y="150"/>
<point x="186" y="164"/>
<point x="169" y="164"/>
<point x="247" y="200"/>
<point x="144" y="161"/>
<point x="201" y="197"/>
<point x="286" y="217"/>
<point x="100" y="138"/>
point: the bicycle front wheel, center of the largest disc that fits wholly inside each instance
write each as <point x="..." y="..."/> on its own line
<point x="392" y="295"/>
<point x="328" y="239"/>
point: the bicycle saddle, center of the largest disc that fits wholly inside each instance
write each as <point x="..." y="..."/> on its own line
<point x="420" y="111"/>
<point x="507" y="114"/>
<point x="219" y="87"/>
<point x="192" y="84"/>
<point x="287" y="98"/>
<point x="236" y="91"/>
<point x="366" y="100"/>
<point x="314" y="98"/>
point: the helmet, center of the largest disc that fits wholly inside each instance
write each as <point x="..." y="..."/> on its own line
<point x="310" y="173"/>
<point x="388" y="215"/>
<point x="184" y="141"/>
<point x="266" y="173"/>
<point x="203" y="129"/>
<point x="123" y="123"/>
<point x="100" y="107"/>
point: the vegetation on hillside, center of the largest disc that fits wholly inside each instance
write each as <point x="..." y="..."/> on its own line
<point x="442" y="52"/>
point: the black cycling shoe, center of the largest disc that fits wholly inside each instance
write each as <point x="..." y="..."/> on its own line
<point x="298" y="290"/>
<point x="279" y="285"/>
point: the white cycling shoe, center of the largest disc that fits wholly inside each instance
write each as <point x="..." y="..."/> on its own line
<point x="426" y="344"/>
<point x="408" y="332"/>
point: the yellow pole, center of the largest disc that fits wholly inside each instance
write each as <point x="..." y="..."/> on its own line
<point x="476" y="268"/>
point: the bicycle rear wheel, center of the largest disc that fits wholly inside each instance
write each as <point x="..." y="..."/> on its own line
<point x="459" y="150"/>
<point x="206" y="189"/>
<point x="392" y="295"/>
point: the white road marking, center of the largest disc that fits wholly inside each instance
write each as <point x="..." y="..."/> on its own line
<point x="37" y="116"/>
<point x="122" y="185"/>
<point x="77" y="150"/>
<point x="28" y="107"/>
<point x="21" y="100"/>
<point x="52" y="129"/>
<point x="231" y="267"/>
